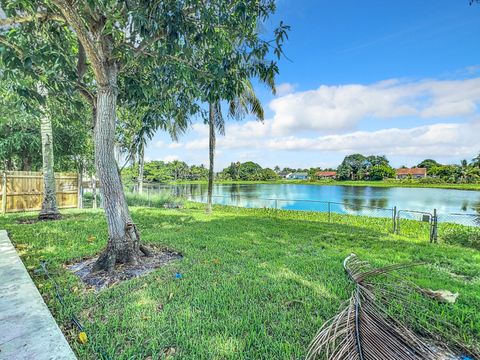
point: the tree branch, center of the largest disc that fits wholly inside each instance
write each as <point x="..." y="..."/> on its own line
<point x="9" y="21"/>
<point x="82" y="61"/>
<point x="145" y="44"/>
<point x="86" y="38"/>
<point x="86" y="93"/>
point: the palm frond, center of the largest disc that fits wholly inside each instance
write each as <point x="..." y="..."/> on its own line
<point x="366" y="328"/>
<point x="246" y="102"/>
<point x="218" y="120"/>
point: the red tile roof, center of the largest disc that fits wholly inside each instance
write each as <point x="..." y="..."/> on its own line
<point x="326" y="173"/>
<point x="412" y="171"/>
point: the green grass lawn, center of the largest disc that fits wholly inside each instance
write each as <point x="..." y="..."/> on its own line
<point x="386" y="183"/>
<point x="257" y="284"/>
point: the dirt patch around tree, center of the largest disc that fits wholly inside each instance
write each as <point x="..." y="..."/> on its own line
<point x="99" y="280"/>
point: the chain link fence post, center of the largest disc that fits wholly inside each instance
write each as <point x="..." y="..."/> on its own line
<point x="434" y="230"/>
<point x="394" y="219"/>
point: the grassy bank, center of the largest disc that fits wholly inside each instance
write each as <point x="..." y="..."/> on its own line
<point x="388" y="183"/>
<point x="257" y="284"/>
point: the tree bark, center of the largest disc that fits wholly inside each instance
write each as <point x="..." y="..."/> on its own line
<point x="124" y="240"/>
<point x="27" y="164"/>
<point x="80" y="185"/>
<point x="211" y="126"/>
<point x="49" y="209"/>
<point x="94" y="191"/>
<point x="141" y="163"/>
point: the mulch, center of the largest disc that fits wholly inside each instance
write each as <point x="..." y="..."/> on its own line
<point x="99" y="280"/>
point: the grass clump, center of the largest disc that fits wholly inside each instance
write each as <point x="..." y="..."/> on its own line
<point x="462" y="235"/>
<point x="256" y="284"/>
<point x="157" y="200"/>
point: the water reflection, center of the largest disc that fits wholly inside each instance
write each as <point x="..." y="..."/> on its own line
<point x="350" y="199"/>
<point x="378" y="202"/>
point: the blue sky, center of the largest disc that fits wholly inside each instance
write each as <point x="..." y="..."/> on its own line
<point x="395" y="78"/>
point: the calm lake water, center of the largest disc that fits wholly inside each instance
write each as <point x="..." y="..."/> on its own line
<point x="345" y="199"/>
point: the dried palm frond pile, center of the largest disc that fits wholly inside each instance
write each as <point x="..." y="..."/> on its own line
<point x="376" y="323"/>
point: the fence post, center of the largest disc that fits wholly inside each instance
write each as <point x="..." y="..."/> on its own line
<point x="434" y="231"/>
<point x="80" y="190"/>
<point x="397" y="222"/>
<point x="4" y="192"/>
<point x="394" y="219"/>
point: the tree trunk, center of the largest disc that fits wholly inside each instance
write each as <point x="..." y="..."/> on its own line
<point x="211" y="125"/>
<point x="80" y="184"/>
<point x="8" y="164"/>
<point x="27" y="164"/>
<point x="49" y="209"/>
<point x="124" y="240"/>
<point x="94" y="191"/>
<point x="141" y="162"/>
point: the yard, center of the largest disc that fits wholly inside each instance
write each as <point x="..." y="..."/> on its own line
<point x="253" y="284"/>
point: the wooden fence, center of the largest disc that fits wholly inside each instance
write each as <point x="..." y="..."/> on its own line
<point x="22" y="190"/>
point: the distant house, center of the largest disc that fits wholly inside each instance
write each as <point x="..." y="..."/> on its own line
<point x="415" y="173"/>
<point x="283" y="174"/>
<point x="326" y="174"/>
<point x="297" y="176"/>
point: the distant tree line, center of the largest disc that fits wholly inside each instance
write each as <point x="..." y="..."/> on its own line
<point x="356" y="167"/>
<point x="360" y="167"/>
<point x="161" y="171"/>
<point x="465" y="172"/>
<point x="247" y="171"/>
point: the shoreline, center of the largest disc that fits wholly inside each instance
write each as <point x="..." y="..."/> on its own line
<point x="447" y="186"/>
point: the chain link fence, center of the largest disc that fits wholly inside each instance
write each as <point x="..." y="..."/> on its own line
<point x="413" y="223"/>
<point x="427" y="225"/>
<point x="461" y="219"/>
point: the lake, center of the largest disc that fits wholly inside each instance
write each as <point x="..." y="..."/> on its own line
<point x="361" y="200"/>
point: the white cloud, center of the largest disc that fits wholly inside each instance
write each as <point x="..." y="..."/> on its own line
<point x="451" y="139"/>
<point x="285" y="89"/>
<point x="431" y="140"/>
<point x="199" y="144"/>
<point x="319" y="127"/>
<point x="175" y="145"/>
<point x="170" y="158"/>
<point x="342" y="107"/>
<point x="159" y="144"/>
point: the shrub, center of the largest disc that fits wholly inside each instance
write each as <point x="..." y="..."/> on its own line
<point x="461" y="235"/>
<point x="88" y="199"/>
<point x="431" y="180"/>
<point x="157" y="200"/>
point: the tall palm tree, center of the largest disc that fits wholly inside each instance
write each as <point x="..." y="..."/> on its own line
<point x="246" y="102"/>
<point x="49" y="210"/>
<point x="476" y="161"/>
<point x="144" y="134"/>
<point x="138" y="128"/>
